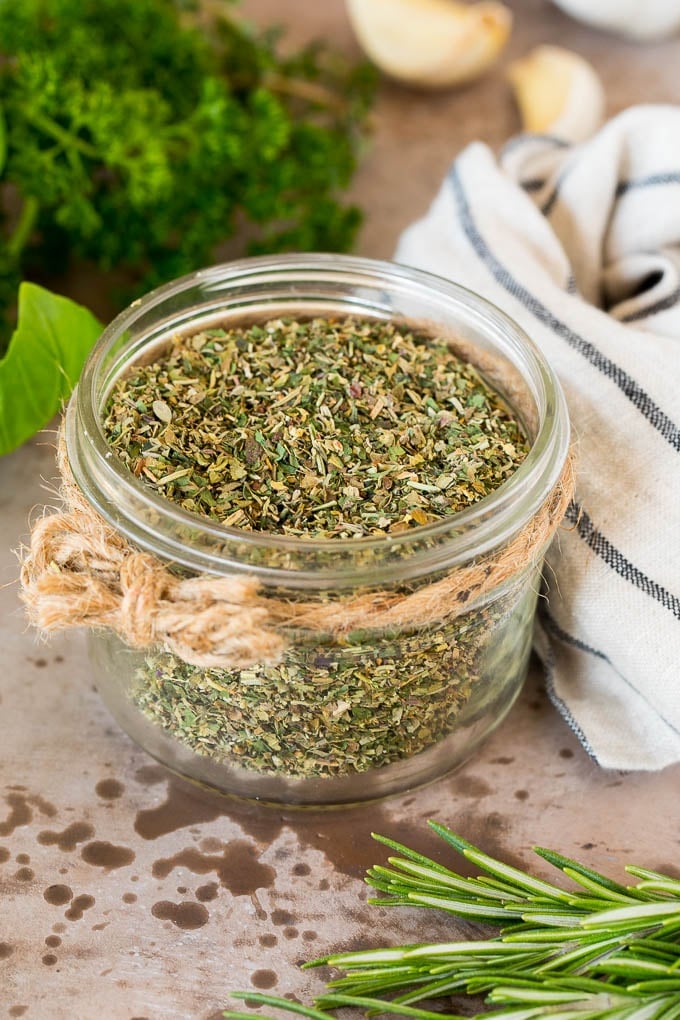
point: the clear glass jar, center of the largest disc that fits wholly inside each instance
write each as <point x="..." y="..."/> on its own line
<point x="378" y="712"/>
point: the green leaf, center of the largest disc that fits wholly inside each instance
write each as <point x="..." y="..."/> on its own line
<point x="3" y="140"/>
<point x="43" y="361"/>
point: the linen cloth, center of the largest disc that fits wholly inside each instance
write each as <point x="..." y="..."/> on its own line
<point x="581" y="246"/>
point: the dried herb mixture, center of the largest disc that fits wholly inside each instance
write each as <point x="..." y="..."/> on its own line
<point x="339" y="709"/>
<point x="324" y="429"/>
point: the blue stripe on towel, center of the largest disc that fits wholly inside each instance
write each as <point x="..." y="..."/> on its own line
<point x="652" y="181"/>
<point x="533" y="184"/>
<point x="640" y="399"/>
<point x="670" y="301"/>
<point x="615" y="559"/>
<point x="548" y="660"/>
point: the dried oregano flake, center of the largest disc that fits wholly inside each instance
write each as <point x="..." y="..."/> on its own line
<point x="324" y="429"/>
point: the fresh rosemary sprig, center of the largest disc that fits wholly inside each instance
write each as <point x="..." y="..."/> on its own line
<point x="602" y="952"/>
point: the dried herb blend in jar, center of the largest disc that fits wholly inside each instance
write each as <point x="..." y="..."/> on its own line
<point x="325" y="429"/>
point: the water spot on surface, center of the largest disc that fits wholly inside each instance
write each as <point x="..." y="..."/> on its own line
<point x="268" y="941"/>
<point x="290" y="933"/>
<point x="78" y="907"/>
<point x="324" y="884"/>
<point x="182" y="808"/>
<point x="309" y="936"/>
<point x="129" y="897"/>
<point x="19" y="814"/>
<point x="207" y="892"/>
<point x="281" y="917"/>
<point x="522" y="794"/>
<point x="566" y="752"/>
<point x="75" y="833"/>
<point x="502" y="760"/>
<point x="471" y="786"/>
<point x="211" y="845"/>
<point x="49" y="959"/>
<point x="260" y="912"/>
<point x="43" y="806"/>
<point x="22" y="859"/>
<point x="106" y="855"/>
<point x="151" y="775"/>
<point x="58" y="895"/>
<point x="302" y="869"/>
<point x="671" y="870"/>
<point x="185" y="915"/>
<point x="100" y="927"/>
<point x="59" y="927"/>
<point x="491" y="833"/>
<point x="263" y="979"/>
<point x="6" y="950"/>
<point x="52" y="941"/>
<point x="344" y="837"/>
<point x="237" y="867"/>
<point x="24" y="874"/>
<point x="109" y="789"/>
<point x="17" y="1010"/>
<point x="4" y="854"/>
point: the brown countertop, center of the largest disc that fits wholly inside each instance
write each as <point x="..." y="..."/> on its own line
<point x="126" y="894"/>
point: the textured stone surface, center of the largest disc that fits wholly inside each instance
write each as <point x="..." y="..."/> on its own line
<point x="123" y="892"/>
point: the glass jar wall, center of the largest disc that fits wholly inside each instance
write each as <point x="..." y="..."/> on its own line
<point x="377" y="710"/>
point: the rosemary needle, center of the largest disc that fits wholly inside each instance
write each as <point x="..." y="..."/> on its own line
<point x="603" y="951"/>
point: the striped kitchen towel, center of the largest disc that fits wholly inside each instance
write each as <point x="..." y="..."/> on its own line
<point x="581" y="246"/>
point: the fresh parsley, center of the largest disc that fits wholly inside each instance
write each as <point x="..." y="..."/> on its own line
<point x="138" y="136"/>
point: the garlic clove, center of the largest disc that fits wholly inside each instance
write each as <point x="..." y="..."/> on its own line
<point x="558" y="93"/>
<point x="431" y="43"/>
<point x="652" y="19"/>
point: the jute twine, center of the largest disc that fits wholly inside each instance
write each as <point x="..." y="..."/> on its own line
<point x="79" y="571"/>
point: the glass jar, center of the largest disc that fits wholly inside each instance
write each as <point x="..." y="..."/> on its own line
<point x="378" y="711"/>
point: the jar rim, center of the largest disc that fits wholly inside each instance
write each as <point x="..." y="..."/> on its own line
<point x="125" y="501"/>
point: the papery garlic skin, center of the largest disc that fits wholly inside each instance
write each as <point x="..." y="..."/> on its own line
<point x="558" y="93"/>
<point x="431" y="43"/>
<point x="636" y="19"/>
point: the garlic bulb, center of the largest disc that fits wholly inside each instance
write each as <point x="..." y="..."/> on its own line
<point x="431" y="43"/>
<point x="558" y="93"/>
<point x="638" y="19"/>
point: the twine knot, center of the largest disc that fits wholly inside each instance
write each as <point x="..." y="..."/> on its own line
<point x="143" y="589"/>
